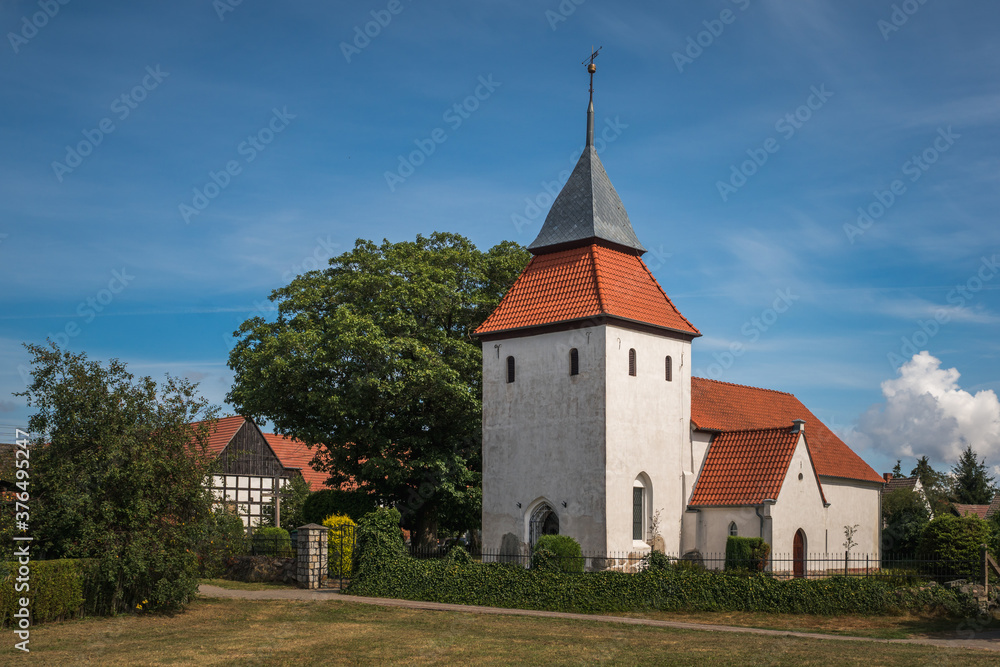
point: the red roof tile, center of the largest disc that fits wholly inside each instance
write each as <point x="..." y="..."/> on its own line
<point x="745" y="467"/>
<point x="585" y="282"/>
<point x="295" y="454"/>
<point x="721" y="406"/>
<point x="973" y="510"/>
<point x="224" y="431"/>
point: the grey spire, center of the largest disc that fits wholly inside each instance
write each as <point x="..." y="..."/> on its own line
<point x="588" y="208"/>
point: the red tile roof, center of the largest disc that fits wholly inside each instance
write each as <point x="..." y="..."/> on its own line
<point x="585" y="282"/>
<point x="295" y="454"/>
<point x="721" y="406"/>
<point x="974" y="510"/>
<point x="745" y="467"/>
<point x="225" y="429"/>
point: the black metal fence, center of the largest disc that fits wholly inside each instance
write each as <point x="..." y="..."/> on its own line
<point x="894" y="567"/>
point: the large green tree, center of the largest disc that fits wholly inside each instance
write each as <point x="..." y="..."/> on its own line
<point x="936" y="485"/>
<point x="117" y="475"/>
<point x="971" y="483"/>
<point x="904" y="515"/>
<point x="374" y="358"/>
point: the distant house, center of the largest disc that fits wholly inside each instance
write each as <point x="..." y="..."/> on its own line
<point x="907" y="483"/>
<point x="982" y="511"/>
<point x="253" y="464"/>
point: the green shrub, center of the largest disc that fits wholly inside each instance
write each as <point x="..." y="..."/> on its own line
<point x="956" y="540"/>
<point x="340" y="541"/>
<point x="223" y="537"/>
<point x="378" y="541"/>
<point x="747" y="553"/>
<point x="564" y="549"/>
<point x="656" y="560"/>
<point x="321" y="504"/>
<point x="275" y="542"/>
<point x="57" y="590"/>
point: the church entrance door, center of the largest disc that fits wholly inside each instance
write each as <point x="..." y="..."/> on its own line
<point x="798" y="554"/>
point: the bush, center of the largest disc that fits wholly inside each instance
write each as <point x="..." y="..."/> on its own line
<point x="341" y="544"/>
<point x="224" y="537"/>
<point x="956" y="539"/>
<point x="747" y="553"/>
<point x="321" y="504"/>
<point x="274" y="542"/>
<point x="565" y="551"/>
<point x="57" y="590"/>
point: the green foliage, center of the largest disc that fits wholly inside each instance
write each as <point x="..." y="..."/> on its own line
<point x="565" y="553"/>
<point x="897" y="470"/>
<point x="119" y="477"/>
<point x="936" y="485"/>
<point x="223" y="537"/>
<point x="340" y="541"/>
<point x="656" y="560"/>
<point x="321" y="504"/>
<point x="57" y="590"/>
<point x="378" y="540"/>
<point x="956" y="539"/>
<point x="376" y="355"/>
<point x="971" y="483"/>
<point x="904" y="515"/>
<point x="271" y="541"/>
<point x="747" y="553"/>
<point x="293" y="497"/>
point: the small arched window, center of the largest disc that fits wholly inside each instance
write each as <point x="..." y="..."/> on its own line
<point x="574" y="362"/>
<point x="669" y="369"/>
<point x="510" y="369"/>
<point x="733" y="530"/>
<point x="631" y="361"/>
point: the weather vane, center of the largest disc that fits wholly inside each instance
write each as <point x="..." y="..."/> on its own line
<point x="591" y="67"/>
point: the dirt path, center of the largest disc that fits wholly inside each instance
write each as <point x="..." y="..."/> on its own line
<point x="989" y="641"/>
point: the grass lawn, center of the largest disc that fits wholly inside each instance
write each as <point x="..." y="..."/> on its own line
<point x="278" y="632"/>
<point x="246" y="586"/>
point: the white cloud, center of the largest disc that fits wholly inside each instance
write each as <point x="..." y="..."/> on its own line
<point x="926" y="412"/>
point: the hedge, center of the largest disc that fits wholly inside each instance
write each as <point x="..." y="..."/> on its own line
<point x="562" y="550"/>
<point x="58" y="590"/>
<point x="321" y="504"/>
<point x="747" y="553"/>
<point x="271" y="541"/>
<point x="382" y="570"/>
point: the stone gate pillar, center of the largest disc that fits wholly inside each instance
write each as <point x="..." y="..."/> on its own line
<point x="311" y="555"/>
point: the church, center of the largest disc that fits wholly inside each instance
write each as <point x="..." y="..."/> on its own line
<point x="593" y="426"/>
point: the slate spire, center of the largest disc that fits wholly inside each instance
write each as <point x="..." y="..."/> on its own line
<point x="588" y="209"/>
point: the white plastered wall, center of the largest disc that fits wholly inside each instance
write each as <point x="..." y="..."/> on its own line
<point x="853" y="502"/>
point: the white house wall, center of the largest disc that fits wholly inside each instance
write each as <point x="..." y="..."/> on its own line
<point x="799" y="506"/>
<point x="543" y="435"/>
<point x="853" y="502"/>
<point x="647" y="432"/>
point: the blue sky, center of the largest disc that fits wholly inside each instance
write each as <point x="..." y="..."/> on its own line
<point x="743" y="137"/>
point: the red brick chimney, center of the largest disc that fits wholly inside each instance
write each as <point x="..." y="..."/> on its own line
<point x="887" y="476"/>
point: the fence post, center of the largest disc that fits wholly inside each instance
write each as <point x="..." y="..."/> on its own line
<point x="866" y="565"/>
<point x="846" y="555"/>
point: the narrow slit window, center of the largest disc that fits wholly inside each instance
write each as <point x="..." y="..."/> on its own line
<point x="670" y="369"/>
<point x="631" y="361"/>
<point x="574" y="362"/>
<point x="510" y="370"/>
<point x="637" y="503"/>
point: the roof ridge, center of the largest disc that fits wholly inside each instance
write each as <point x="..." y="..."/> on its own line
<point x="743" y="386"/>
<point x="760" y="430"/>
<point x="665" y="296"/>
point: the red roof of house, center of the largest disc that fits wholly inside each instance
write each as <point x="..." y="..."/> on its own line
<point x="746" y="467"/>
<point x="225" y="429"/>
<point x="975" y="510"/>
<point x="721" y="406"/>
<point x="295" y="454"/>
<point x="584" y="282"/>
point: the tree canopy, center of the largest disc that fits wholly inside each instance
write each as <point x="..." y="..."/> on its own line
<point x="936" y="485"/>
<point x="117" y="474"/>
<point x="374" y="358"/>
<point x="971" y="483"/>
<point x="905" y="515"/>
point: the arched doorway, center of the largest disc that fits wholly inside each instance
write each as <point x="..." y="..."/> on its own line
<point x="799" y="554"/>
<point x="544" y="521"/>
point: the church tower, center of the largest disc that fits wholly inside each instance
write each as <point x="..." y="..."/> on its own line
<point x="586" y="383"/>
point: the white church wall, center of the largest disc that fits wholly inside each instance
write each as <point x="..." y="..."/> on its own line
<point x="799" y="506"/>
<point x="853" y="502"/>
<point x="713" y="530"/>
<point x="543" y="435"/>
<point x="647" y="432"/>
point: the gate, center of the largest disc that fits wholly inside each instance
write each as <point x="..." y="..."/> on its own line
<point x="340" y="554"/>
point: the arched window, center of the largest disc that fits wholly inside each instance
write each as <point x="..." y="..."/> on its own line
<point x="631" y="361"/>
<point x="670" y="369"/>
<point x="544" y="521"/>
<point x="641" y="508"/>
<point x="574" y="362"/>
<point x="510" y="369"/>
<point x="733" y="530"/>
